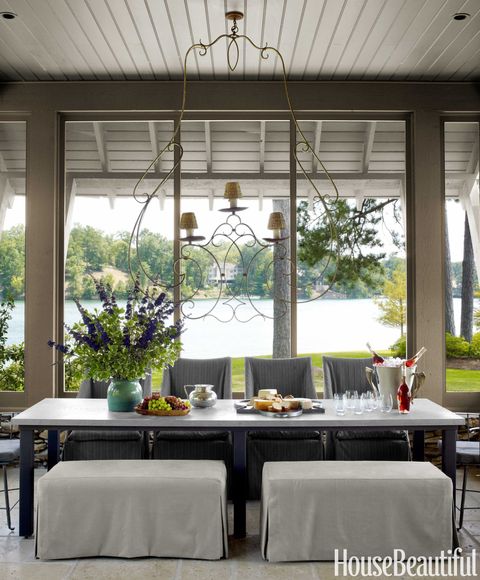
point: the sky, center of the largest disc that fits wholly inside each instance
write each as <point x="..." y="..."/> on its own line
<point x="96" y="212"/>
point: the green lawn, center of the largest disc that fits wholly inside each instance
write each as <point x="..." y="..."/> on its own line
<point x="463" y="380"/>
<point x="457" y="380"/>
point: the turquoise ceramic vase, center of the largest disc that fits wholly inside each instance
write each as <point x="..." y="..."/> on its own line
<point x="123" y="395"/>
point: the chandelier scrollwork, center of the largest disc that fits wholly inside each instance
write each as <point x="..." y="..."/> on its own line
<point x="234" y="234"/>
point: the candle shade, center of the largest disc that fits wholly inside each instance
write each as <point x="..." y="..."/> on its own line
<point x="188" y="221"/>
<point x="276" y="221"/>
<point x="232" y="190"/>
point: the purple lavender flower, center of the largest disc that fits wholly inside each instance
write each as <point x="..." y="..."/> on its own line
<point x="102" y="333"/>
<point x="147" y="335"/>
<point x="129" y="309"/>
<point x="86" y="318"/>
<point x="175" y="330"/>
<point x="136" y="289"/>
<point x="60" y="347"/>
<point x="83" y="339"/>
<point x="102" y="293"/>
<point x="160" y="299"/>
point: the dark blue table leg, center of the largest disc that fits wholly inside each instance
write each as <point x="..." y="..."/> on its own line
<point x="53" y="448"/>
<point x="240" y="483"/>
<point x="26" y="482"/>
<point x="449" y="455"/>
<point x="419" y="446"/>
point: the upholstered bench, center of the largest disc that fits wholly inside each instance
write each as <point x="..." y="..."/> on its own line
<point x="132" y="509"/>
<point x="369" y="508"/>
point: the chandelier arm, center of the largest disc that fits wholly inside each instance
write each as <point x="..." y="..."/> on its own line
<point x="218" y="233"/>
<point x="185" y="257"/>
<point x="134" y="240"/>
<point x="168" y="147"/>
<point x="262" y="249"/>
<point x="177" y="270"/>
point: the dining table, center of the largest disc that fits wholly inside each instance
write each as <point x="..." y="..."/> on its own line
<point x="64" y="414"/>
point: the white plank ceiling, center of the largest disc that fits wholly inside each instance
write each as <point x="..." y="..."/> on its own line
<point x="408" y="40"/>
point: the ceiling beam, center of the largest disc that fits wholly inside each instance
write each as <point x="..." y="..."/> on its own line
<point x="316" y="145"/>
<point x="208" y="146"/>
<point x="7" y="197"/>
<point x="262" y="146"/>
<point x="111" y="199"/>
<point x="154" y="144"/>
<point x="135" y="175"/>
<point x="3" y="165"/>
<point x="368" y="145"/>
<point x="251" y="188"/>
<point x="450" y="175"/>
<point x="70" y="194"/>
<point x="472" y="165"/>
<point x="100" y="140"/>
<point x="359" y="197"/>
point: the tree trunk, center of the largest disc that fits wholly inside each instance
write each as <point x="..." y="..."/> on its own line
<point x="281" y="289"/>
<point x="468" y="279"/>
<point x="449" y="315"/>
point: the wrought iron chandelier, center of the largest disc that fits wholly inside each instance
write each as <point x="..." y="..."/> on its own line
<point x="233" y="234"/>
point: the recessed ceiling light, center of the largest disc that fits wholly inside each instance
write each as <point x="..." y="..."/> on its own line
<point x="8" y="15"/>
<point x="461" y="16"/>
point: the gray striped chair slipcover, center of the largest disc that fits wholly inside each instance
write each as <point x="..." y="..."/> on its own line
<point x="343" y="374"/>
<point x="290" y="376"/>
<point x="196" y="444"/>
<point x="87" y="445"/>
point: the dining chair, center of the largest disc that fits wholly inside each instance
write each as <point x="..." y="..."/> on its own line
<point x="9" y="452"/>
<point x="86" y="445"/>
<point x="290" y="376"/>
<point x="467" y="455"/>
<point x="344" y="374"/>
<point x="196" y="444"/>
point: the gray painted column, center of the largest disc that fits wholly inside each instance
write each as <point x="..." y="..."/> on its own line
<point x="425" y="250"/>
<point x="41" y="251"/>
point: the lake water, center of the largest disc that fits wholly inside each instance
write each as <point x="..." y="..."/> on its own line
<point x="323" y="326"/>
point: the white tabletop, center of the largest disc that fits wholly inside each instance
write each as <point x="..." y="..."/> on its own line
<point x="93" y="413"/>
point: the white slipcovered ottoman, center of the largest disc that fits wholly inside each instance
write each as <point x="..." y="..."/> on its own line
<point x="369" y="508"/>
<point x="132" y="509"/>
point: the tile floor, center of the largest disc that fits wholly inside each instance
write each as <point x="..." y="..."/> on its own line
<point x="17" y="559"/>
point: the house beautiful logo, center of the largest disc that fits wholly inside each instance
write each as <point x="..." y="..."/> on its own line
<point x="446" y="564"/>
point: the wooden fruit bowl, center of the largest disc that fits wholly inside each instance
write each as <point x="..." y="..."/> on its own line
<point x="174" y="413"/>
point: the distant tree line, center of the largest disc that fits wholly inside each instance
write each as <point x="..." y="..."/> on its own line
<point x="92" y="252"/>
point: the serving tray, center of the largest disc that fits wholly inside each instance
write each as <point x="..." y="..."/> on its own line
<point x="244" y="406"/>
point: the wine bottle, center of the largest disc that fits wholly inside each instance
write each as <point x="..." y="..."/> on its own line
<point x="377" y="359"/>
<point x="403" y="395"/>
<point x="413" y="361"/>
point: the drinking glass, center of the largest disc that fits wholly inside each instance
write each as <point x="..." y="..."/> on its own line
<point x="357" y="404"/>
<point x="374" y="401"/>
<point x="367" y="401"/>
<point x="386" y="403"/>
<point x="339" y="404"/>
<point x="349" y="401"/>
